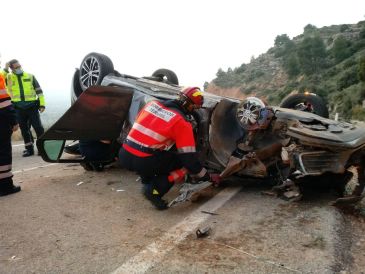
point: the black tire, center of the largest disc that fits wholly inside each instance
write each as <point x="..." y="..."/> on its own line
<point x="167" y="76"/>
<point x="318" y="105"/>
<point x="94" y="67"/>
<point x="76" y="89"/>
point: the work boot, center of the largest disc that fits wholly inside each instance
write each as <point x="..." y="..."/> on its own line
<point x="28" y="152"/>
<point x="154" y="197"/>
<point x="7" y="188"/>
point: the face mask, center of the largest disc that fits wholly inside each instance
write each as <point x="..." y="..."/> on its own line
<point x="18" y="71"/>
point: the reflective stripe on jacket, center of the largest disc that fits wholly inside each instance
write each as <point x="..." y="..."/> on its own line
<point x="7" y="112"/>
<point x="24" y="90"/>
<point x="159" y="127"/>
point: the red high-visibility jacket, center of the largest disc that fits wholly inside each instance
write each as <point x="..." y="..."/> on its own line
<point x="158" y="127"/>
<point x="7" y="112"/>
<point x="4" y="97"/>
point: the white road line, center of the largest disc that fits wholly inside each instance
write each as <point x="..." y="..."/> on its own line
<point x="17" y="145"/>
<point x="155" y="252"/>
<point x="32" y="168"/>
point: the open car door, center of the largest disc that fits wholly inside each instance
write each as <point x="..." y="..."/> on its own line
<point x="98" y="114"/>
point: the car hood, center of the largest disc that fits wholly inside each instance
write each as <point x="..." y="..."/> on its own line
<point x="318" y="131"/>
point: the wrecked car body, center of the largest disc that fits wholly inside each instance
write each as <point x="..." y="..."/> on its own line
<point x="296" y="147"/>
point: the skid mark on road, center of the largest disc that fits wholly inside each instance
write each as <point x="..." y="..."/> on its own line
<point x="155" y="252"/>
<point x="33" y="168"/>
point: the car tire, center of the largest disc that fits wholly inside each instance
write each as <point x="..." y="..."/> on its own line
<point x="76" y="89"/>
<point x="94" y="67"/>
<point x="319" y="106"/>
<point x="166" y="75"/>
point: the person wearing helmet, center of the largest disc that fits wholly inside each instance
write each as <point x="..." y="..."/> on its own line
<point x="255" y="117"/>
<point x="147" y="149"/>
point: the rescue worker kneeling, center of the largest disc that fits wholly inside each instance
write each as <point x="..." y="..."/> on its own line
<point x="159" y="126"/>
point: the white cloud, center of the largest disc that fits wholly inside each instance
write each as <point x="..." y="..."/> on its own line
<point x="192" y="38"/>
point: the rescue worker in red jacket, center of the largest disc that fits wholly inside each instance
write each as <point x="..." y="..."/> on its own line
<point x="8" y="124"/>
<point x="146" y="150"/>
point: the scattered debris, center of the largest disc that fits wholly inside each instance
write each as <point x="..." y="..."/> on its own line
<point x="13" y="258"/>
<point x="287" y="190"/>
<point x="187" y="190"/>
<point x="291" y="194"/>
<point x="269" y="193"/>
<point x="120" y="190"/>
<point x="80" y="183"/>
<point x="70" y="165"/>
<point x="111" y="182"/>
<point x="203" y="232"/>
<point x="207" y="212"/>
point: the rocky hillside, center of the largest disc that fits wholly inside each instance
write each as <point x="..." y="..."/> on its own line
<point x="329" y="61"/>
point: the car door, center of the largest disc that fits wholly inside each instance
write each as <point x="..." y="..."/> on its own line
<point x="98" y="114"/>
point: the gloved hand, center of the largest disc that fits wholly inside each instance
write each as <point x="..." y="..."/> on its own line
<point x="41" y="109"/>
<point x="215" y="178"/>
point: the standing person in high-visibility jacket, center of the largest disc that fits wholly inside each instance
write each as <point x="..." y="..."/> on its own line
<point x="28" y="100"/>
<point x="159" y="126"/>
<point x="8" y="124"/>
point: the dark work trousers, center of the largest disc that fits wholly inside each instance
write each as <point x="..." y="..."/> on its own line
<point x="153" y="169"/>
<point x="95" y="151"/>
<point x="27" y="118"/>
<point x="5" y="156"/>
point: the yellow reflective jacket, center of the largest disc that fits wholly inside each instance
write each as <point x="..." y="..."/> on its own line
<point x="24" y="88"/>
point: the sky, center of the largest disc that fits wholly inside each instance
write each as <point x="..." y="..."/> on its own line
<point x="193" y="38"/>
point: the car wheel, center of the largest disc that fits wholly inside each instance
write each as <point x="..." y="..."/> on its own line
<point x="167" y="76"/>
<point x="93" y="69"/>
<point x="306" y="102"/>
<point x="76" y="89"/>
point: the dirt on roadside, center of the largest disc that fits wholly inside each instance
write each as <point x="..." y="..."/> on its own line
<point x="356" y="223"/>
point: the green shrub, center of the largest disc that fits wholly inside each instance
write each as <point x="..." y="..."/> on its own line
<point x="343" y="28"/>
<point x="312" y="55"/>
<point x="348" y="78"/>
<point x="349" y="63"/>
<point x="361" y="69"/>
<point x="341" y="49"/>
<point x="358" y="45"/>
<point x="291" y="65"/>
<point x="362" y="33"/>
<point x="358" y="113"/>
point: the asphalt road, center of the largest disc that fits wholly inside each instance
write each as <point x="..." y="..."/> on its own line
<point x="67" y="220"/>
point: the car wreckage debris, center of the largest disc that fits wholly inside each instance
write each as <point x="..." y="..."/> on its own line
<point x="187" y="190"/>
<point x="203" y="232"/>
<point x="210" y="213"/>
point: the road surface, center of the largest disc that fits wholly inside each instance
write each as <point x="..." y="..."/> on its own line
<point x="67" y="220"/>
